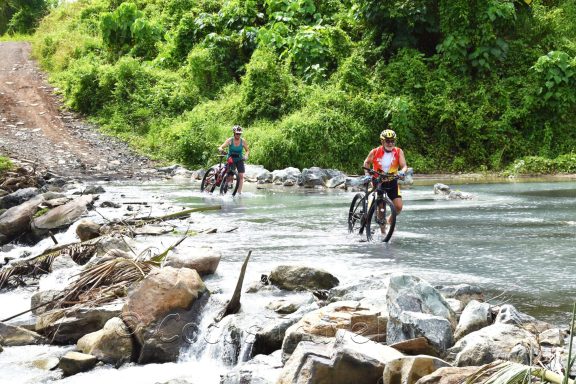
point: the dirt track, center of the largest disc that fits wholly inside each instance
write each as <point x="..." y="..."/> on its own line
<point x="36" y="128"/>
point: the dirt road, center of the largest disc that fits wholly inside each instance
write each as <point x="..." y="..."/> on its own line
<point x="35" y="127"/>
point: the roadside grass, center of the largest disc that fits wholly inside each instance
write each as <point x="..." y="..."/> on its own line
<point x="16" y="37"/>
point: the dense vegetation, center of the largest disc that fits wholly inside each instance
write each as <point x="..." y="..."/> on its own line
<point x="467" y="84"/>
<point x="22" y="16"/>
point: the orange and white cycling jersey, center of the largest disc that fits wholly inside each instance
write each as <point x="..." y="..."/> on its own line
<point x="386" y="162"/>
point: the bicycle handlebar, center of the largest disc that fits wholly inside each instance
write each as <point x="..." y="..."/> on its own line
<point x="389" y="176"/>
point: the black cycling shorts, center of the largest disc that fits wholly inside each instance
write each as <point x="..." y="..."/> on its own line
<point x="239" y="165"/>
<point x="391" y="188"/>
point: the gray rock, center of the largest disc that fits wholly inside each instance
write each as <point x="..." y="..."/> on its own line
<point x="18" y="197"/>
<point x="75" y="362"/>
<point x="294" y="278"/>
<point x="494" y="342"/>
<point x="475" y="316"/>
<point x="16" y="336"/>
<point x="112" y="344"/>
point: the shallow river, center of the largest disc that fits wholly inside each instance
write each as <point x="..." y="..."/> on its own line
<point x="514" y="240"/>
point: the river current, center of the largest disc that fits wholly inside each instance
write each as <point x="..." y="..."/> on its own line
<point x="514" y="240"/>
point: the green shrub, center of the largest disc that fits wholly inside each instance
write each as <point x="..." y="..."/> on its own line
<point x="5" y="164"/>
<point x="204" y="71"/>
<point x="267" y="88"/>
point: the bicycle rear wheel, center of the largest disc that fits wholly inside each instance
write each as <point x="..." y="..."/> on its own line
<point x="357" y="214"/>
<point x="382" y="220"/>
<point x="209" y="180"/>
<point x="229" y="185"/>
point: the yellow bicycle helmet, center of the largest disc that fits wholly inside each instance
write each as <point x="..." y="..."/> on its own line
<point x="387" y="134"/>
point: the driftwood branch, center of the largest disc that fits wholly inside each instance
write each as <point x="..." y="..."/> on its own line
<point x="233" y="305"/>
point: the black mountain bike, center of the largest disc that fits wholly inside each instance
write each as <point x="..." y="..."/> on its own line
<point x="370" y="210"/>
<point x="223" y="175"/>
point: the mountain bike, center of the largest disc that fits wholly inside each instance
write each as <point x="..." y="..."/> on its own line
<point x="371" y="210"/>
<point x="223" y="175"/>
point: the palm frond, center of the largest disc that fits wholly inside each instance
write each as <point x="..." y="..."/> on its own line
<point x="105" y="281"/>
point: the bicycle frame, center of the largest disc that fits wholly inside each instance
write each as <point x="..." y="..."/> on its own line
<point x="373" y="202"/>
<point x="218" y="175"/>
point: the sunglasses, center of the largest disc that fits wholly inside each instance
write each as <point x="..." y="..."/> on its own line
<point x="390" y="141"/>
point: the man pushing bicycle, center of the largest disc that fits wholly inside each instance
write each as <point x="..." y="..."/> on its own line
<point x="389" y="159"/>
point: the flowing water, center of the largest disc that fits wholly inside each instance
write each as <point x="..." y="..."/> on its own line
<point x="514" y="240"/>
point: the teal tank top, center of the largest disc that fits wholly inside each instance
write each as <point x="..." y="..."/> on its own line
<point x="235" y="150"/>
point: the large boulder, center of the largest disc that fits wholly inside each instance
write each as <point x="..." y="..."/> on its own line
<point x="321" y="325"/>
<point x="204" y="260"/>
<point x="16" y="336"/>
<point x="346" y="358"/>
<point x="16" y="220"/>
<point x="62" y="216"/>
<point x="161" y="311"/>
<point x="494" y="342"/>
<point x="295" y="278"/>
<point x="416" y="309"/>
<point x="112" y="344"/>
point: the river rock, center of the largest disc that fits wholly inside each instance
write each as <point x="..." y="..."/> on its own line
<point x="162" y="309"/>
<point x="204" y="260"/>
<point x="508" y="314"/>
<point x="312" y="177"/>
<point x="93" y="190"/>
<point x="494" y="342"/>
<point x="16" y="198"/>
<point x="16" y="336"/>
<point x="346" y="358"/>
<point x="87" y="229"/>
<point x="461" y="292"/>
<point x="295" y="278"/>
<point x="475" y="316"/>
<point x="322" y="324"/>
<point x="416" y="309"/>
<point x="409" y="369"/>
<point x="66" y="326"/>
<point x="75" y="362"/>
<point x="16" y="220"/>
<point x="62" y="216"/>
<point x="288" y="175"/>
<point x="262" y="369"/>
<point x="112" y="344"/>
<point x="256" y="173"/>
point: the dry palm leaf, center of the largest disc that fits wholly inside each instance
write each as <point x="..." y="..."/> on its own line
<point x="39" y="265"/>
<point x="106" y="281"/>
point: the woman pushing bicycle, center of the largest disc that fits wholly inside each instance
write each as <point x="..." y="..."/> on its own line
<point x="236" y="146"/>
<point x="389" y="159"/>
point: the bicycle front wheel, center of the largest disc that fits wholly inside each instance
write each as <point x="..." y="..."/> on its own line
<point x="381" y="218"/>
<point x="209" y="180"/>
<point x="230" y="183"/>
<point x="357" y="214"/>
